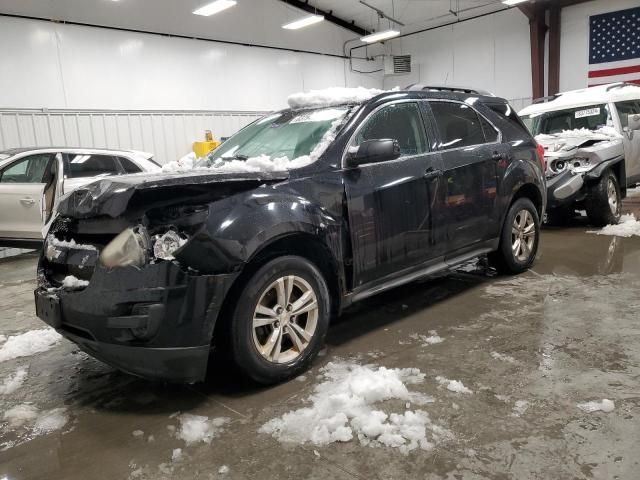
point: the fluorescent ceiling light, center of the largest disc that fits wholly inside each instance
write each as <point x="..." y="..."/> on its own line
<point x="379" y="36"/>
<point x="214" y="7"/>
<point x="513" y="2"/>
<point x="303" y="22"/>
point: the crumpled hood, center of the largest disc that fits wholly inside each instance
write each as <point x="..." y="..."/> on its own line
<point x="113" y="196"/>
<point x="570" y="140"/>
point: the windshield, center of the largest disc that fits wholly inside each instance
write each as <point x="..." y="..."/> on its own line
<point x="294" y="138"/>
<point x="592" y="117"/>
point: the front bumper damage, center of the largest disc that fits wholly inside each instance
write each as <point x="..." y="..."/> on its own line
<point x="574" y="160"/>
<point x="156" y="321"/>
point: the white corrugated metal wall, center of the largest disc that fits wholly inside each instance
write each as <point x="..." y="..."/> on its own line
<point x="166" y="134"/>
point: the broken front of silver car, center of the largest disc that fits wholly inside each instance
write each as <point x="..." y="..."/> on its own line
<point x="575" y="159"/>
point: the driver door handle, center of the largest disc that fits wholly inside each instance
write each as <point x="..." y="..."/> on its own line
<point x="27" y="201"/>
<point x="432" y="173"/>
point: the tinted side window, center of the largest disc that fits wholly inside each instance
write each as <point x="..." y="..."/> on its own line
<point x="458" y="124"/>
<point x="401" y="122"/>
<point x="78" y="166"/>
<point x="26" y="170"/>
<point x="627" y="108"/>
<point x="129" y="166"/>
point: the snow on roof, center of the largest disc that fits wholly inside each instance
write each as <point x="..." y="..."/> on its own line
<point x="332" y="96"/>
<point x="586" y="96"/>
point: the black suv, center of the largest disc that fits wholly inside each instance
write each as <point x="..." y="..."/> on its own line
<point x="252" y="253"/>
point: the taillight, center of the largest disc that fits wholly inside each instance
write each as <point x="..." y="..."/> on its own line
<point x="540" y="153"/>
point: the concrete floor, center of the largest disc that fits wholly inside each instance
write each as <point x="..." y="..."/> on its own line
<point x="569" y="331"/>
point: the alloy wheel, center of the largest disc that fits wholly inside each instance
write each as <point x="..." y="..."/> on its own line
<point x="612" y="196"/>
<point x="523" y="235"/>
<point x="285" y="319"/>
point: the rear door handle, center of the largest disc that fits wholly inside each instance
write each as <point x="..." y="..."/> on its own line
<point x="28" y="201"/>
<point x="432" y="173"/>
<point x="498" y="156"/>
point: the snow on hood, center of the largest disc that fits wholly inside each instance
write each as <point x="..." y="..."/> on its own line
<point x="261" y="163"/>
<point x="332" y="96"/>
<point x="577" y="137"/>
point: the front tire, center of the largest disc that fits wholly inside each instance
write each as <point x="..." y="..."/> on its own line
<point x="604" y="201"/>
<point x="280" y="321"/>
<point x="519" y="238"/>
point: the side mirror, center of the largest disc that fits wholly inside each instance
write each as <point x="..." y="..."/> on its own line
<point x="633" y="121"/>
<point x="374" y="151"/>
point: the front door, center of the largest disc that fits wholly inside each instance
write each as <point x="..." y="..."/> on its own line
<point x="391" y="204"/>
<point x="470" y="150"/>
<point x="631" y="140"/>
<point x="22" y="185"/>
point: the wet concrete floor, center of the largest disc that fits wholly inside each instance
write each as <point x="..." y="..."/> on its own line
<point x="530" y="347"/>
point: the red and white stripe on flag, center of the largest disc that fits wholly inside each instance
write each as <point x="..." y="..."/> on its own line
<point x="622" y="71"/>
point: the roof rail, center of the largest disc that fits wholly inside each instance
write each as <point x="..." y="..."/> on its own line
<point x="620" y="85"/>
<point x="447" y="88"/>
<point x="544" y="99"/>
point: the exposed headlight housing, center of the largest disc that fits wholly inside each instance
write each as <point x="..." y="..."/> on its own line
<point x="129" y="248"/>
<point x="165" y="245"/>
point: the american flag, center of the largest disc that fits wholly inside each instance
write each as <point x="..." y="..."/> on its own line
<point x="614" y="47"/>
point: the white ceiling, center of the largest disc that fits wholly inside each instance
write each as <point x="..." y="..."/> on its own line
<point x="415" y="14"/>
<point x="249" y="21"/>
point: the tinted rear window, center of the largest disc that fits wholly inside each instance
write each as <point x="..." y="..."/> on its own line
<point x="508" y="114"/>
<point x="85" y="165"/>
<point x="129" y="166"/>
<point x="458" y="124"/>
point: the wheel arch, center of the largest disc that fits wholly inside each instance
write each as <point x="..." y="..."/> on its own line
<point x="533" y="193"/>
<point x="302" y="244"/>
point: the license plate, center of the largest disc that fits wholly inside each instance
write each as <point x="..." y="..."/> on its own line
<point x="48" y="309"/>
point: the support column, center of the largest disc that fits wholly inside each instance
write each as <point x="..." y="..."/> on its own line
<point x="554" y="49"/>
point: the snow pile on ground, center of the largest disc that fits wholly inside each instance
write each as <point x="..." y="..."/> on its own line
<point x="453" y="385"/>
<point x="605" y="406"/>
<point x="343" y="408"/>
<point x="223" y="469"/>
<point x="13" y="382"/>
<point x="432" y="339"/>
<point x="73" y="283"/>
<point x="28" y="343"/>
<point x="198" y="428"/>
<point x="332" y="96"/>
<point x="502" y="357"/>
<point x="520" y="407"/>
<point x="41" y="422"/>
<point x="176" y="455"/>
<point x="627" y="227"/>
<point x="51" y="421"/>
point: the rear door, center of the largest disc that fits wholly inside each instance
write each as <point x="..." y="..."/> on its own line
<point x="471" y="149"/>
<point x="22" y="185"/>
<point x="631" y="140"/>
<point x="391" y="204"/>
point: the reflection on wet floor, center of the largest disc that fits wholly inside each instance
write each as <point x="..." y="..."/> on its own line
<point x="530" y="348"/>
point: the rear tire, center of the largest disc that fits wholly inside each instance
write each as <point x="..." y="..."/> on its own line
<point x="604" y="201"/>
<point x="268" y="341"/>
<point x="519" y="238"/>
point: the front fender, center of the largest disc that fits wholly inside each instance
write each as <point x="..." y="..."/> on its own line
<point x="237" y="228"/>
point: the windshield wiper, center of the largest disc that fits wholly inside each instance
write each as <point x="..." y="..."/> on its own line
<point x="237" y="156"/>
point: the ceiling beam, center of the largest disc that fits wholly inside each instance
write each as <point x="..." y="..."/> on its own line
<point x="329" y="16"/>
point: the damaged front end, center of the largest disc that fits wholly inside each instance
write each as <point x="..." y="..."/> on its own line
<point x="133" y="276"/>
<point x="576" y="158"/>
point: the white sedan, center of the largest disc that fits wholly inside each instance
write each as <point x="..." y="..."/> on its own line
<point x="32" y="180"/>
